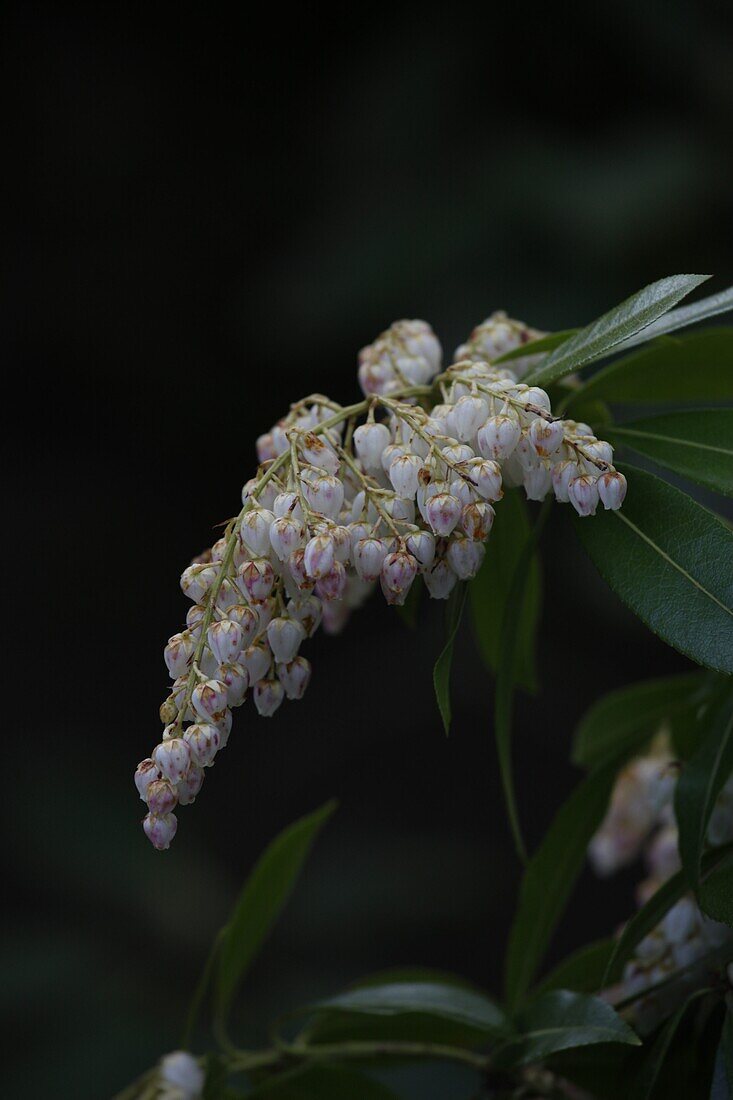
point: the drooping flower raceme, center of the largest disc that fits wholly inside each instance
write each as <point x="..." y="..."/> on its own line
<point x="400" y="485"/>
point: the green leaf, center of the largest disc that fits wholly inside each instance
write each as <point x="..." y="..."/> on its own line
<point x="600" y="337"/>
<point x="215" y="1083"/>
<point x="535" y="347"/>
<point x="698" y="444"/>
<point x="582" y="971"/>
<point x="562" y="1020"/>
<point x="698" y="787"/>
<point x="261" y="900"/>
<point x="624" y="720"/>
<point x="550" y="877"/>
<point x="695" y="367"/>
<point x="648" y="1073"/>
<point x="664" y="555"/>
<point x="443" y="1002"/>
<point x="726" y="1049"/>
<point x="715" y="894"/>
<point x="489" y="590"/>
<point x="408" y="610"/>
<point x="702" y="310"/>
<point x="441" y="672"/>
<point x="322" y="1081"/>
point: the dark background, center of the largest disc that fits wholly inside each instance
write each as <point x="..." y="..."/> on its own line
<point x="206" y="220"/>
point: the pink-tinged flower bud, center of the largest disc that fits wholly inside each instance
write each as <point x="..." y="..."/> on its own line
<point x="403" y="473"/>
<point x="172" y="758"/>
<point x="162" y="797"/>
<point x="257" y="661"/>
<point x="421" y="544"/>
<point x="268" y="695"/>
<point x="235" y="679"/>
<point x="218" y="550"/>
<point x="295" y="677"/>
<point x="265" y="448"/>
<point x="369" y="555"/>
<point x="399" y="508"/>
<point x="362" y="510"/>
<point x="598" y="451"/>
<point x="398" y="572"/>
<point x="526" y="454"/>
<point x="209" y="699"/>
<point x="462" y="491"/>
<point x="537" y="483"/>
<point x="391" y="453"/>
<point x="440" y="580"/>
<point x="583" y="494"/>
<point x="258" y="578"/>
<point x="465" y="557"/>
<point x="358" y="531"/>
<point x="247" y="619"/>
<point x="443" y="512"/>
<point x="194" y="617"/>
<point x="369" y="441"/>
<point x="266" y="611"/>
<point x="325" y="495"/>
<point x="320" y="554"/>
<point x="178" y="696"/>
<point x="308" y="610"/>
<point x="468" y="414"/>
<point x="612" y="489"/>
<point x="255" y="531"/>
<point x="287" y="504"/>
<point x="203" y="741"/>
<point x="533" y="395"/>
<point x="546" y="435"/>
<point x="342" y="543"/>
<point x="182" y="1073"/>
<point x="191" y="783"/>
<point x="562" y="474"/>
<point x="178" y="653"/>
<point x="285" y="637"/>
<point x="147" y="772"/>
<point x="486" y="476"/>
<point x="196" y="581"/>
<point x="160" y="830"/>
<point x="498" y="437"/>
<point x="296" y="567"/>
<point x="332" y="584"/>
<point x="477" y="519"/>
<point x="226" y="640"/>
<point x="168" y="711"/>
<point x="228" y="595"/>
<point x="318" y="452"/>
<point x="286" y="535"/>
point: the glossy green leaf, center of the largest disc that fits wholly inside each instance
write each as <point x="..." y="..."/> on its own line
<point x="693" y="314"/>
<point x="562" y="1020"/>
<point x="603" y="335"/>
<point x="648" y="1073"/>
<point x="715" y="894"/>
<point x="539" y="346"/>
<point x="696" y="443"/>
<point x="441" y="672"/>
<point x="261" y="900"/>
<point x="695" y="367"/>
<point x="322" y="1081"/>
<point x="699" y="785"/>
<point x="665" y="556"/>
<point x="581" y="972"/>
<point x="443" y="1002"/>
<point x="623" y="720"/>
<point x="550" y="877"/>
<point x="489" y="591"/>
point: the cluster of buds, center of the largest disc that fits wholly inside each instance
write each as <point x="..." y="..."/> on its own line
<point x="339" y="506"/>
<point x="640" y="820"/>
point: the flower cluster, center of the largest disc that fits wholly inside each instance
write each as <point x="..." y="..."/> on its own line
<point x="338" y="506"/>
<point x="640" y="819"/>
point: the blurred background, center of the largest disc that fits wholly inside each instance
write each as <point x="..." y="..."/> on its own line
<point x="207" y="220"/>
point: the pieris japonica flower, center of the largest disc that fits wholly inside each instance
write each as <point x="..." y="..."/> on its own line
<point x="180" y="1077"/>
<point x="333" y="511"/>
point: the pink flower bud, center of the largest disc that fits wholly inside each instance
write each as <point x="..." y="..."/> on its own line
<point x="468" y="414"/>
<point x="265" y="448"/>
<point x="403" y="473"/>
<point x="421" y="544"/>
<point x="257" y="661"/>
<point x="465" y="557"/>
<point x="268" y="695"/>
<point x="443" y="512"/>
<point x="498" y="437"/>
<point x="209" y="699"/>
<point x="332" y="584"/>
<point x="486" y="476"/>
<point x="228" y="595"/>
<point x="537" y="483"/>
<point x="318" y="452"/>
<point x="162" y="797"/>
<point x="172" y="758"/>
<point x="477" y="519"/>
<point x="295" y="677"/>
<point x="194" y="616"/>
<point x="319" y="556"/>
<point x="599" y="451"/>
<point x="287" y="504"/>
<point x="255" y="531"/>
<point x="308" y="610"/>
<point x="197" y="580"/>
<point x="526" y="453"/>
<point x="226" y="640"/>
<point x="612" y="489"/>
<point x="235" y="679"/>
<point x="298" y="573"/>
<point x="147" y="772"/>
<point x="358" y="531"/>
<point x="178" y="653"/>
<point x="369" y="441"/>
<point x="190" y="784"/>
<point x="562" y="474"/>
<point x="160" y="830"/>
<point x="247" y="619"/>
<point x="325" y="495"/>
<point x="203" y="741"/>
<point x="369" y="555"/>
<point x="286" y="535"/>
<point x="398" y="572"/>
<point x="284" y="637"/>
<point x="546" y="435"/>
<point x="440" y="580"/>
<point x="583" y="495"/>
<point x="266" y="611"/>
<point x="462" y="491"/>
<point x="258" y="578"/>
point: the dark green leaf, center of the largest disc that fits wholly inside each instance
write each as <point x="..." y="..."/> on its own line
<point x="715" y="894"/>
<point x="322" y="1081"/>
<point x="561" y="1020"/>
<point x="696" y="367"/>
<point x="702" y="310"/>
<point x="535" y="347"/>
<point x="726" y="1050"/>
<point x="441" y="672"/>
<point x="622" y="721"/>
<point x="665" y="556"/>
<point x="698" y="444"/>
<point x="582" y="971"/>
<point x="550" y="877"/>
<point x="698" y="787"/>
<point x="215" y="1083"/>
<point x="600" y="337"/>
<point x="653" y="1061"/>
<point x="261" y="900"/>
<point x="489" y="591"/>
<point x="442" y="1002"/>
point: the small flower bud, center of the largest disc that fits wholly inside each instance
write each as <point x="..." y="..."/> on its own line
<point x="583" y="494"/>
<point x="498" y="437"/>
<point x="268" y="695"/>
<point x="247" y="618"/>
<point x="228" y="595"/>
<point x="178" y="653"/>
<point x="537" y="483"/>
<point x="194" y="617"/>
<point x="266" y="611"/>
<point x="477" y="519"/>
<point x="287" y="504"/>
<point x="318" y="452"/>
<point x="147" y="772"/>
<point x="342" y="543"/>
<point x="295" y="677"/>
<point x="172" y="757"/>
<point x="190" y="784"/>
<point x="258" y="578"/>
<point x="226" y="640"/>
<point x="612" y="489"/>
<point x="235" y="679"/>
<point x="421" y="544"/>
<point x="203" y="741"/>
<point x="286" y="535"/>
<point x="465" y="557"/>
<point x="403" y="473"/>
<point x="168" y="711"/>
<point x="255" y="531"/>
<point x="526" y="454"/>
<point x="296" y="567"/>
<point x="562" y="474"/>
<point x="546" y="435"/>
<point x="209" y="699"/>
<point x="332" y="584"/>
<point x="160" y="830"/>
<point x="598" y="451"/>
<point x="325" y="495"/>
<point x="440" y="580"/>
<point x="443" y="512"/>
<point x="196" y="581"/>
<point x="398" y="572"/>
<point x="256" y="660"/>
<point x="181" y="1070"/>
<point x="369" y="555"/>
<point x="369" y="441"/>
<point x="307" y="610"/>
<point x="319" y="556"/>
<point x="468" y="414"/>
<point x="162" y="797"/>
<point x="284" y="637"/>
